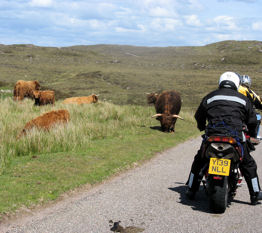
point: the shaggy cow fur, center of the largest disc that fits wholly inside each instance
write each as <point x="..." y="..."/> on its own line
<point x="168" y="105"/>
<point x="151" y="98"/>
<point x="24" y="89"/>
<point x="82" y="100"/>
<point x="44" y="97"/>
<point x="47" y="120"/>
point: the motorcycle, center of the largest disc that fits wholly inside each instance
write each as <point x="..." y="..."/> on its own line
<point x="222" y="174"/>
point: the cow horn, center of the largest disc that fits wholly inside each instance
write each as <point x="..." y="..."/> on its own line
<point x="157" y="115"/>
<point x="177" y="116"/>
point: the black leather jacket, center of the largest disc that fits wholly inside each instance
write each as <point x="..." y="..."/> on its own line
<point x="226" y="111"/>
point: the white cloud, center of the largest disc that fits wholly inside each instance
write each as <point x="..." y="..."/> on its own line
<point x="247" y="1"/>
<point x="96" y="24"/>
<point x="193" y="20"/>
<point x="158" y="2"/>
<point x="140" y="28"/>
<point x="160" y="12"/>
<point x="195" y="4"/>
<point x="225" y="22"/>
<point x="257" y="26"/>
<point x="222" y="23"/>
<point x="41" y="3"/>
<point x="167" y="24"/>
<point x="156" y="8"/>
<point x="227" y="36"/>
<point x="88" y="25"/>
<point x="223" y="37"/>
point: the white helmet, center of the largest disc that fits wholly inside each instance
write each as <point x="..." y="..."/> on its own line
<point x="246" y="80"/>
<point x="229" y="79"/>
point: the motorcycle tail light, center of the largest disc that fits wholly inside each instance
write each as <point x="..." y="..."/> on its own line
<point x="217" y="178"/>
<point x="222" y="139"/>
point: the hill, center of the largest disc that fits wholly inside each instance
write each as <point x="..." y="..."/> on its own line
<point x="123" y="74"/>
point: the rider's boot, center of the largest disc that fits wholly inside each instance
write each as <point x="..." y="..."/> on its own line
<point x="255" y="198"/>
<point x="190" y="194"/>
<point x="193" y="185"/>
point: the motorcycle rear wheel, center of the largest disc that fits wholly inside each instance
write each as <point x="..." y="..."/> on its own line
<point x="218" y="194"/>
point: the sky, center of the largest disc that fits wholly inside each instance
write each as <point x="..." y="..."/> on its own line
<point x="161" y="23"/>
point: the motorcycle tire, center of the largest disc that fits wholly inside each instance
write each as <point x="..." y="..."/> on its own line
<point x="218" y="195"/>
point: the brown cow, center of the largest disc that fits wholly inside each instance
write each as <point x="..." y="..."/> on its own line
<point x="168" y="105"/>
<point x="47" y="120"/>
<point x="24" y="89"/>
<point x="44" y="97"/>
<point x="82" y="100"/>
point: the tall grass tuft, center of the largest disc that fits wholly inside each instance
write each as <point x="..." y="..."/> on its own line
<point x="87" y="123"/>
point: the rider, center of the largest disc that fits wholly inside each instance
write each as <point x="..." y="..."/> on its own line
<point x="255" y="99"/>
<point x="226" y="111"/>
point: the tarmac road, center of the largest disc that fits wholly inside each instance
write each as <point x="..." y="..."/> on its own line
<point x="149" y="198"/>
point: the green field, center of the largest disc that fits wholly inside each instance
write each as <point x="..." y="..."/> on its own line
<point x="100" y="140"/>
<point x="113" y="135"/>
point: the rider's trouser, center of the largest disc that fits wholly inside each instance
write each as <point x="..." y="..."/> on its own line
<point x="258" y="124"/>
<point x="247" y="167"/>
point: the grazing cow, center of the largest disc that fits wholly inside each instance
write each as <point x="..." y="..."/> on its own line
<point x="168" y="105"/>
<point x="24" y="89"/>
<point x="44" y="97"/>
<point x="82" y="100"/>
<point x="46" y="121"/>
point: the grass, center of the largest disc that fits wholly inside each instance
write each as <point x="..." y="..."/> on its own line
<point x="100" y="140"/>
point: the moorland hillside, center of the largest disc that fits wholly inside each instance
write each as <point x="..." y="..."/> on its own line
<point x="123" y="74"/>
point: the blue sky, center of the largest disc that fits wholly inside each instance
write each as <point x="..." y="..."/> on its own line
<point x="132" y="22"/>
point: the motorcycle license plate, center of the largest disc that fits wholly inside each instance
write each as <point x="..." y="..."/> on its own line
<point x="219" y="166"/>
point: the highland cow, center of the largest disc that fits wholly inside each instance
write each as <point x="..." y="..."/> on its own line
<point x="82" y="100"/>
<point x="168" y="105"/>
<point x="24" y="89"/>
<point x="46" y="121"/>
<point x="44" y="97"/>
